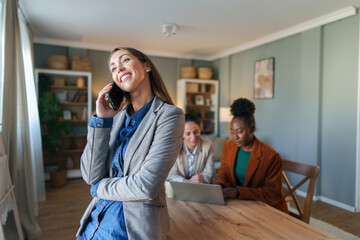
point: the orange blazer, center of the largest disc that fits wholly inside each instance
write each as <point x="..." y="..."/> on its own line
<point x="263" y="176"/>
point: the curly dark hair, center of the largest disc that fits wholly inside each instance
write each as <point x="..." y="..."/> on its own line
<point x="191" y="118"/>
<point x="244" y="109"/>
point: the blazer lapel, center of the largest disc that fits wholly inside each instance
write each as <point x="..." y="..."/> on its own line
<point x="232" y="159"/>
<point x="184" y="163"/>
<point x="253" y="162"/>
<point x="141" y="130"/>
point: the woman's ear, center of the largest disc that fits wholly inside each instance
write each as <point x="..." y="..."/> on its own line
<point x="147" y="67"/>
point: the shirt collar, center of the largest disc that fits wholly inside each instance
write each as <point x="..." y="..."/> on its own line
<point x="188" y="151"/>
<point x="139" y="115"/>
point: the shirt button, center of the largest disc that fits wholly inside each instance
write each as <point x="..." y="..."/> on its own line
<point x="98" y="125"/>
<point x="102" y="207"/>
<point x="116" y="155"/>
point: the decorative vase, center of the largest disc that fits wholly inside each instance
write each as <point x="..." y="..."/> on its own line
<point x="80" y="82"/>
<point x="69" y="163"/>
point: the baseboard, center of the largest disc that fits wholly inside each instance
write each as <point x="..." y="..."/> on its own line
<point x="329" y="201"/>
<point x="73" y="173"/>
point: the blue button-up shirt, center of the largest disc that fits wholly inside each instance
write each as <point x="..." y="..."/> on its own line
<point x="107" y="220"/>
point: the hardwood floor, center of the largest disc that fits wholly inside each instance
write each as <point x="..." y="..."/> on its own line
<point x="60" y="214"/>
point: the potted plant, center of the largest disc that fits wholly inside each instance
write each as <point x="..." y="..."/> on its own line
<point x="51" y="116"/>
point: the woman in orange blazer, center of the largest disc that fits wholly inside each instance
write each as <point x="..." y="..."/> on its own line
<point x="250" y="169"/>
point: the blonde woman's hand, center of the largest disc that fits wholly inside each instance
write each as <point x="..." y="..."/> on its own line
<point x="198" y="178"/>
<point x="103" y="109"/>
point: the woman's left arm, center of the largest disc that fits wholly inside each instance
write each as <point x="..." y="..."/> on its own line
<point x="161" y="156"/>
<point x="209" y="167"/>
<point x="271" y="191"/>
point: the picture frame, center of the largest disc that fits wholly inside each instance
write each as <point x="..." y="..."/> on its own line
<point x="199" y="99"/>
<point x="264" y="78"/>
<point x="67" y="114"/>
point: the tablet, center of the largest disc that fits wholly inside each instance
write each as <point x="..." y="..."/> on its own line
<point x="198" y="192"/>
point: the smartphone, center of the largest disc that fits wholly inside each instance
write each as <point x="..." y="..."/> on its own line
<point x="115" y="96"/>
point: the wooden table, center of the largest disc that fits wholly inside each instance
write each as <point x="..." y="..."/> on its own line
<point x="238" y="219"/>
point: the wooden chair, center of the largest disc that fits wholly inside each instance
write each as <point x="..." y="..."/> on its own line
<point x="309" y="172"/>
<point x="8" y="193"/>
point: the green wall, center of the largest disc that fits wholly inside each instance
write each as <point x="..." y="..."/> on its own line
<point x="312" y="117"/>
<point x="169" y="68"/>
<point x="339" y="110"/>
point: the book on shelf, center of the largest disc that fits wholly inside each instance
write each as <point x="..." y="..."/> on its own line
<point x="210" y="114"/>
<point x="79" y="96"/>
<point x="84" y="114"/>
<point x="76" y="93"/>
<point x="211" y="88"/>
<point x="209" y="125"/>
<point x="188" y="99"/>
<point x="83" y="96"/>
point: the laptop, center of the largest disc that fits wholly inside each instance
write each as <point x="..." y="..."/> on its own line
<point x="198" y="192"/>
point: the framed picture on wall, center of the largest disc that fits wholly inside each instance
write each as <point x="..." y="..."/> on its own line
<point x="264" y="78"/>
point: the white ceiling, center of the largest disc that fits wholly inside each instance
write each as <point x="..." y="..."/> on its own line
<point x="207" y="29"/>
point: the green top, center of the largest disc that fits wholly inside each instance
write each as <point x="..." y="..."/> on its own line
<point x="242" y="160"/>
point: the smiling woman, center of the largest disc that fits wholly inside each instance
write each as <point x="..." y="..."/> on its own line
<point x="195" y="162"/>
<point x="127" y="173"/>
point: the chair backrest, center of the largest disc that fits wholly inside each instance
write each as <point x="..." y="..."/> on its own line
<point x="310" y="173"/>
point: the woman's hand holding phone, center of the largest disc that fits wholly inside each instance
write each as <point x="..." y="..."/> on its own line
<point x="103" y="109"/>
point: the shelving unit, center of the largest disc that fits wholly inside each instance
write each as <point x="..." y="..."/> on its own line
<point x="201" y="98"/>
<point x="77" y="102"/>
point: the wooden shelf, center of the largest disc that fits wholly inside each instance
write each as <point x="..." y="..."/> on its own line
<point x="196" y="93"/>
<point x="206" y="119"/>
<point x="74" y="103"/>
<point x="78" y="109"/>
<point x="199" y="106"/>
<point x="73" y="135"/>
<point x="192" y="91"/>
<point x="75" y="121"/>
<point x="71" y="151"/>
<point x="68" y="87"/>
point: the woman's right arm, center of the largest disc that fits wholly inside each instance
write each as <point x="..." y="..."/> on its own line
<point x="93" y="163"/>
<point x="94" y="166"/>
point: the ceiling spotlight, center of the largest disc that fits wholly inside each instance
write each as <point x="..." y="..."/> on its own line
<point x="169" y="29"/>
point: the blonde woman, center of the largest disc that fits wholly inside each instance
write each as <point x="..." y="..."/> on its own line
<point x="195" y="162"/>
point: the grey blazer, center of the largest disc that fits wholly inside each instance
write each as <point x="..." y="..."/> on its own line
<point x="148" y="159"/>
<point x="204" y="162"/>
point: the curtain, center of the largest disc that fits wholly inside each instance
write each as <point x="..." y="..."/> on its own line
<point x="21" y="129"/>
<point x="2" y="39"/>
<point x="33" y="114"/>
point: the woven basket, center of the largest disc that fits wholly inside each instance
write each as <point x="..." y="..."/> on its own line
<point x="205" y="73"/>
<point x="57" y="61"/>
<point x="188" y="72"/>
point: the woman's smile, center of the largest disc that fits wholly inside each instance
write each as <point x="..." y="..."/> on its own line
<point x="125" y="77"/>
